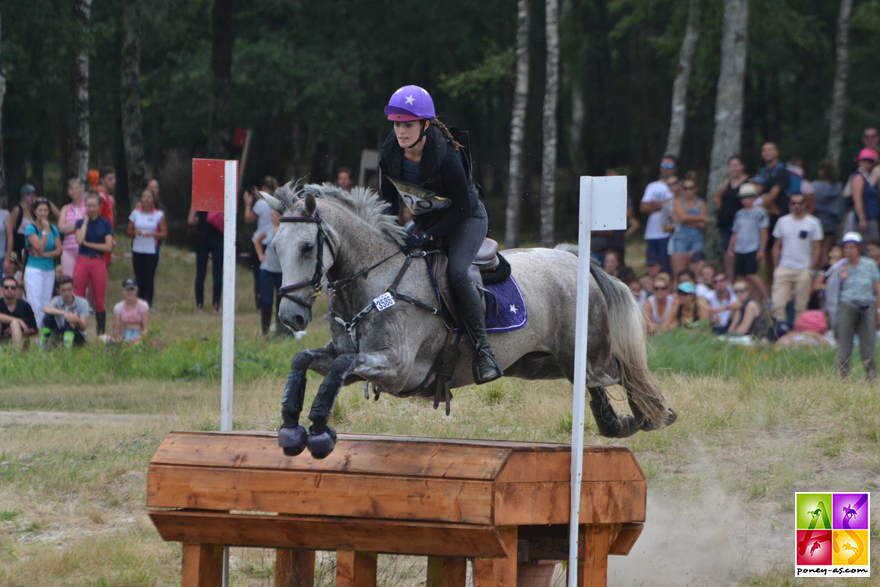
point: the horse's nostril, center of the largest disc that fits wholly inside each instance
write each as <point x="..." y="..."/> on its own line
<point x="299" y="322"/>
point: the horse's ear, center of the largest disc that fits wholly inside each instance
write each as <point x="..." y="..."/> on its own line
<point x="274" y="203"/>
<point x="311" y="204"/>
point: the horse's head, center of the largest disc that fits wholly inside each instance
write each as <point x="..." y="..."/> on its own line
<point x="305" y="251"/>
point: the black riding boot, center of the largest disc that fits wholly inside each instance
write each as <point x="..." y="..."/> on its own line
<point x="101" y="320"/>
<point x="266" y="320"/>
<point x="470" y="308"/>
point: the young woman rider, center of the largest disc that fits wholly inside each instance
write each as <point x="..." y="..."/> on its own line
<point x="422" y="166"/>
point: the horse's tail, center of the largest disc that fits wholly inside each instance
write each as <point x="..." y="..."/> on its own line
<point x="627" y="325"/>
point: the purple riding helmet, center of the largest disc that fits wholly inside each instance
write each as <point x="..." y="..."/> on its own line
<point x="410" y="103"/>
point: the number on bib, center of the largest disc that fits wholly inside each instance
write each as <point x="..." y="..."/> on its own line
<point x="384" y="301"/>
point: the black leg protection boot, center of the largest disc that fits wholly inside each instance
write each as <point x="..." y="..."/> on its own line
<point x="101" y="320"/>
<point x="470" y="308"/>
<point x="265" y="320"/>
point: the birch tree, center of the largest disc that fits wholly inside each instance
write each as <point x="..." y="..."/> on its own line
<point x="680" y="86"/>
<point x="838" y="100"/>
<point x="221" y="78"/>
<point x="517" y="126"/>
<point x="551" y="99"/>
<point x="78" y="142"/>
<point x="130" y="96"/>
<point x="2" y="96"/>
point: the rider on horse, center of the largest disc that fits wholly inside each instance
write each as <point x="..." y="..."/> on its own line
<point x="421" y="165"/>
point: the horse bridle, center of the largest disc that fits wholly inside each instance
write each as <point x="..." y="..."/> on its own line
<point x="318" y="277"/>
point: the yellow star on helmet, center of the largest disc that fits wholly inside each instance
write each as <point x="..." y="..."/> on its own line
<point x="410" y="100"/>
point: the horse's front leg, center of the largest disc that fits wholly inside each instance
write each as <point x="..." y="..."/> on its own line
<point x="292" y="437"/>
<point x="370" y="366"/>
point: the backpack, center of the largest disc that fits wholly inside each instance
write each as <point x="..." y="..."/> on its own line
<point x="462" y="137"/>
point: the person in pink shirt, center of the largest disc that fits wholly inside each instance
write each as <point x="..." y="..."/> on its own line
<point x="131" y="316"/>
<point x="70" y="213"/>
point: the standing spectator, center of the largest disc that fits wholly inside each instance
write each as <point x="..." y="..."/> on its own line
<point x="16" y="316"/>
<point x="270" y="273"/>
<point x="657" y="306"/>
<point x="829" y="205"/>
<point x="4" y="214"/>
<point x="67" y="315"/>
<point x="107" y="184"/>
<point x="690" y="217"/>
<point x="44" y="246"/>
<point x="256" y="209"/>
<point x="93" y="180"/>
<point x="617" y="238"/>
<point x="687" y="309"/>
<point x="866" y="206"/>
<point x="720" y="301"/>
<point x="94" y="234"/>
<point x="856" y="310"/>
<point x="657" y="192"/>
<point x="343" y="178"/>
<point x="772" y="184"/>
<point x="652" y="269"/>
<point x="131" y="316"/>
<point x="612" y="263"/>
<point x="147" y="228"/>
<point x="748" y="241"/>
<point x="70" y="213"/>
<point x="17" y="221"/>
<point x="796" y="254"/>
<point x="209" y="242"/>
<point x="748" y="318"/>
<point x="727" y="203"/>
<point x="153" y="186"/>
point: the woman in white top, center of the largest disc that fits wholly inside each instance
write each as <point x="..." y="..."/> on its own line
<point x="146" y="227"/>
<point x="256" y="209"/>
<point x="658" y="305"/>
<point x="70" y="213"/>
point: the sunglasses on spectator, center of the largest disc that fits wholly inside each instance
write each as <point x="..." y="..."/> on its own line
<point x="740" y="291"/>
<point x="667" y="166"/>
<point x="689" y="187"/>
<point x="10" y="287"/>
<point x="660" y="287"/>
<point x="718" y="280"/>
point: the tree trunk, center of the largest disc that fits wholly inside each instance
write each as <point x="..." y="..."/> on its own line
<point x="727" y="138"/>
<point x="680" y="86"/>
<point x="130" y="95"/>
<point x="838" y="101"/>
<point x="551" y="99"/>
<point x="576" y="129"/>
<point x="78" y="140"/>
<point x="2" y="96"/>
<point x="221" y="79"/>
<point x="517" y="126"/>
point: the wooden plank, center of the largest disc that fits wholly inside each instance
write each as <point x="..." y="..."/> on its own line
<point x="355" y="569"/>
<point x="499" y="572"/>
<point x="310" y="493"/>
<point x="601" y="463"/>
<point x="602" y="502"/>
<point x="446" y="572"/>
<point x="328" y="533"/>
<point x="294" y="568"/>
<point x="373" y="455"/>
<point x="593" y="571"/>
<point x="202" y="565"/>
<point x="625" y="540"/>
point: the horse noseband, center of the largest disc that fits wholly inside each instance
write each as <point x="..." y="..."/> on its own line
<point x="318" y="277"/>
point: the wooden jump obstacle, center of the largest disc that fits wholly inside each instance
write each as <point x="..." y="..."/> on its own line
<point x="501" y="504"/>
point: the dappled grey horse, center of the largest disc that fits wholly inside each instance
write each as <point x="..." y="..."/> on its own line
<point x="331" y="240"/>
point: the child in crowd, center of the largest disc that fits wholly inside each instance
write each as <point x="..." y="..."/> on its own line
<point x="652" y="268"/>
<point x="131" y="316"/>
<point x="748" y="242"/>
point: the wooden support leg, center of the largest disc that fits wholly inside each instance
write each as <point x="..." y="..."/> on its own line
<point x="498" y="572"/>
<point x="446" y="572"/>
<point x="355" y="569"/>
<point x="593" y="569"/>
<point x="294" y="568"/>
<point x="202" y="565"/>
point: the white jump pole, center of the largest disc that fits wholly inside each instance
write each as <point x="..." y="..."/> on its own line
<point x="607" y="212"/>
<point x="230" y="185"/>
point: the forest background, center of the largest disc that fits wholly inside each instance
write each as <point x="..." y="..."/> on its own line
<point x="166" y="81"/>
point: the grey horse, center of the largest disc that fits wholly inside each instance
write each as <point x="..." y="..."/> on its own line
<point x="330" y="239"/>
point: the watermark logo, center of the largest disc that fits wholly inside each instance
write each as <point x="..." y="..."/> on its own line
<point x="832" y="534"/>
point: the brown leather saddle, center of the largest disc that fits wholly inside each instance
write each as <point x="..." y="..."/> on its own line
<point x="488" y="268"/>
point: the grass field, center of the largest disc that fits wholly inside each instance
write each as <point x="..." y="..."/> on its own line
<point x="77" y="429"/>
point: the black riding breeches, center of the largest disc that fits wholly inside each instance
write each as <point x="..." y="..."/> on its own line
<point x="464" y="243"/>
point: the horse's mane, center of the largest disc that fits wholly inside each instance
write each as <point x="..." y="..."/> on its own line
<point x="362" y="203"/>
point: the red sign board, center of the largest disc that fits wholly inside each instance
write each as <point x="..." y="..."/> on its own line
<point x="209" y="183"/>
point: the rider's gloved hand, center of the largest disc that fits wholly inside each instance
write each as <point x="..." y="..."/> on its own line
<point x="417" y="240"/>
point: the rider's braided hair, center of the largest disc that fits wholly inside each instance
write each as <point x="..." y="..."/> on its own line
<point x="445" y="132"/>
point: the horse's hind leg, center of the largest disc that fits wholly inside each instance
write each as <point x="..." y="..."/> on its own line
<point x="645" y="423"/>
<point x="292" y="437"/>
<point x="608" y="422"/>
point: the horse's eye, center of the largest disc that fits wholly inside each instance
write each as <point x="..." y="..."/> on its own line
<point x="306" y="248"/>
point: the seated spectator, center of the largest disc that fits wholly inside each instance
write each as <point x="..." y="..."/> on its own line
<point x="686" y="310"/>
<point x="721" y="300"/>
<point x="14" y="266"/>
<point x="808" y="330"/>
<point x="748" y="317"/>
<point x="856" y="308"/>
<point x="657" y="306"/>
<point x="652" y="269"/>
<point x="611" y="263"/>
<point x="705" y="277"/>
<point x="131" y="316"/>
<point x="686" y="275"/>
<point x="695" y="264"/>
<point x="629" y="279"/>
<point x="748" y="240"/>
<point x="66" y="316"/>
<point x="17" y="320"/>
